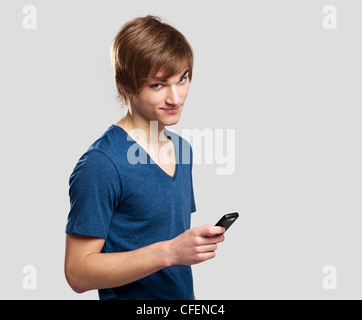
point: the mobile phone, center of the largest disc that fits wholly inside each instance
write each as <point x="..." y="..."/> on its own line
<point x="227" y="220"/>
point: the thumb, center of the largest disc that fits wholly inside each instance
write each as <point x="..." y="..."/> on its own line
<point x="211" y="230"/>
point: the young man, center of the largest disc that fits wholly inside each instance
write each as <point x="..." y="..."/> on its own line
<point x="128" y="229"/>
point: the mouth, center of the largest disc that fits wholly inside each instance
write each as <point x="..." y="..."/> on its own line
<point x="172" y="110"/>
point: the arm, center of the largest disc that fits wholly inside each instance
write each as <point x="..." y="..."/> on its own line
<point x="86" y="268"/>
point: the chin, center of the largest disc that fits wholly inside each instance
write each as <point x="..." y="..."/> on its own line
<point x="169" y="122"/>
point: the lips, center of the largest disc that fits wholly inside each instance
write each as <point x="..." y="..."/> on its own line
<point x="171" y="110"/>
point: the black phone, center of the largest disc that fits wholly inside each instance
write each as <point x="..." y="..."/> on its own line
<point x="227" y="220"/>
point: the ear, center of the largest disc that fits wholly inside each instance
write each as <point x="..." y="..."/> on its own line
<point x="121" y="85"/>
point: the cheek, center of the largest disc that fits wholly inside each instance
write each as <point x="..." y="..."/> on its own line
<point x="149" y="100"/>
<point x="185" y="90"/>
<point x="155" y="101"/>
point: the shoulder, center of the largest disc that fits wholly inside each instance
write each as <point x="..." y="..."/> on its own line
<point x="110" y="141"/>
<point x="95" y="158"/>
<point x="98" y="160"/>
<point x="94" y="165"/>
<point x="107" y="150"/>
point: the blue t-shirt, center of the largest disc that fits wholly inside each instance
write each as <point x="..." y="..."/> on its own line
<point x="132" y="204"/>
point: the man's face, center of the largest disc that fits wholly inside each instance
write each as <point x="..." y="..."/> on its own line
<point x="162" y="99"/>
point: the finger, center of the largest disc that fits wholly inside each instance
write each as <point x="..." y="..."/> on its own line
<point x="207" y="248"/>
<point x="213" y="239"/>
<point x="206" y="256"/>
<point x="210" y="230"/>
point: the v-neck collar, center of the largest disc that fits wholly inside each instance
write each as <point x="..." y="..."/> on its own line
<point x="149" y="158"/>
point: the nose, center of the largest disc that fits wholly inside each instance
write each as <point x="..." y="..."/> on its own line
<point x="173" y="98"/>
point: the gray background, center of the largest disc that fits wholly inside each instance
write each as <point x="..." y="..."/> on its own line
<point x="268" y="69"/>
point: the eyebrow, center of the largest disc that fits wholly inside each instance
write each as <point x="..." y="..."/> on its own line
<point x="159" y="79"/>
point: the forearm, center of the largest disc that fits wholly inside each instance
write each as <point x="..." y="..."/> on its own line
<point x="108" y="270"/>
<point x="86" y="268"/>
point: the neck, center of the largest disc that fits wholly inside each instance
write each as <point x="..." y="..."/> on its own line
<point x="150" y="133"/>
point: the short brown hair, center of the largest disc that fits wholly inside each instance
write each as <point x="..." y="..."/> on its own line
<point x="143" y="48"/>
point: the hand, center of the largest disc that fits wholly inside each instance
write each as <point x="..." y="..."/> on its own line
<point x="196" y="245"/>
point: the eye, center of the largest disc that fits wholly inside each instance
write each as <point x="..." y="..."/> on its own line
<point x="156" y="86"/>
<point x="183" y="80"/>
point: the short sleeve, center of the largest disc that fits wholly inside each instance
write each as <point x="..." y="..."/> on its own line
<point x="193" y="205"/>
<point x="94" y="191"/>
